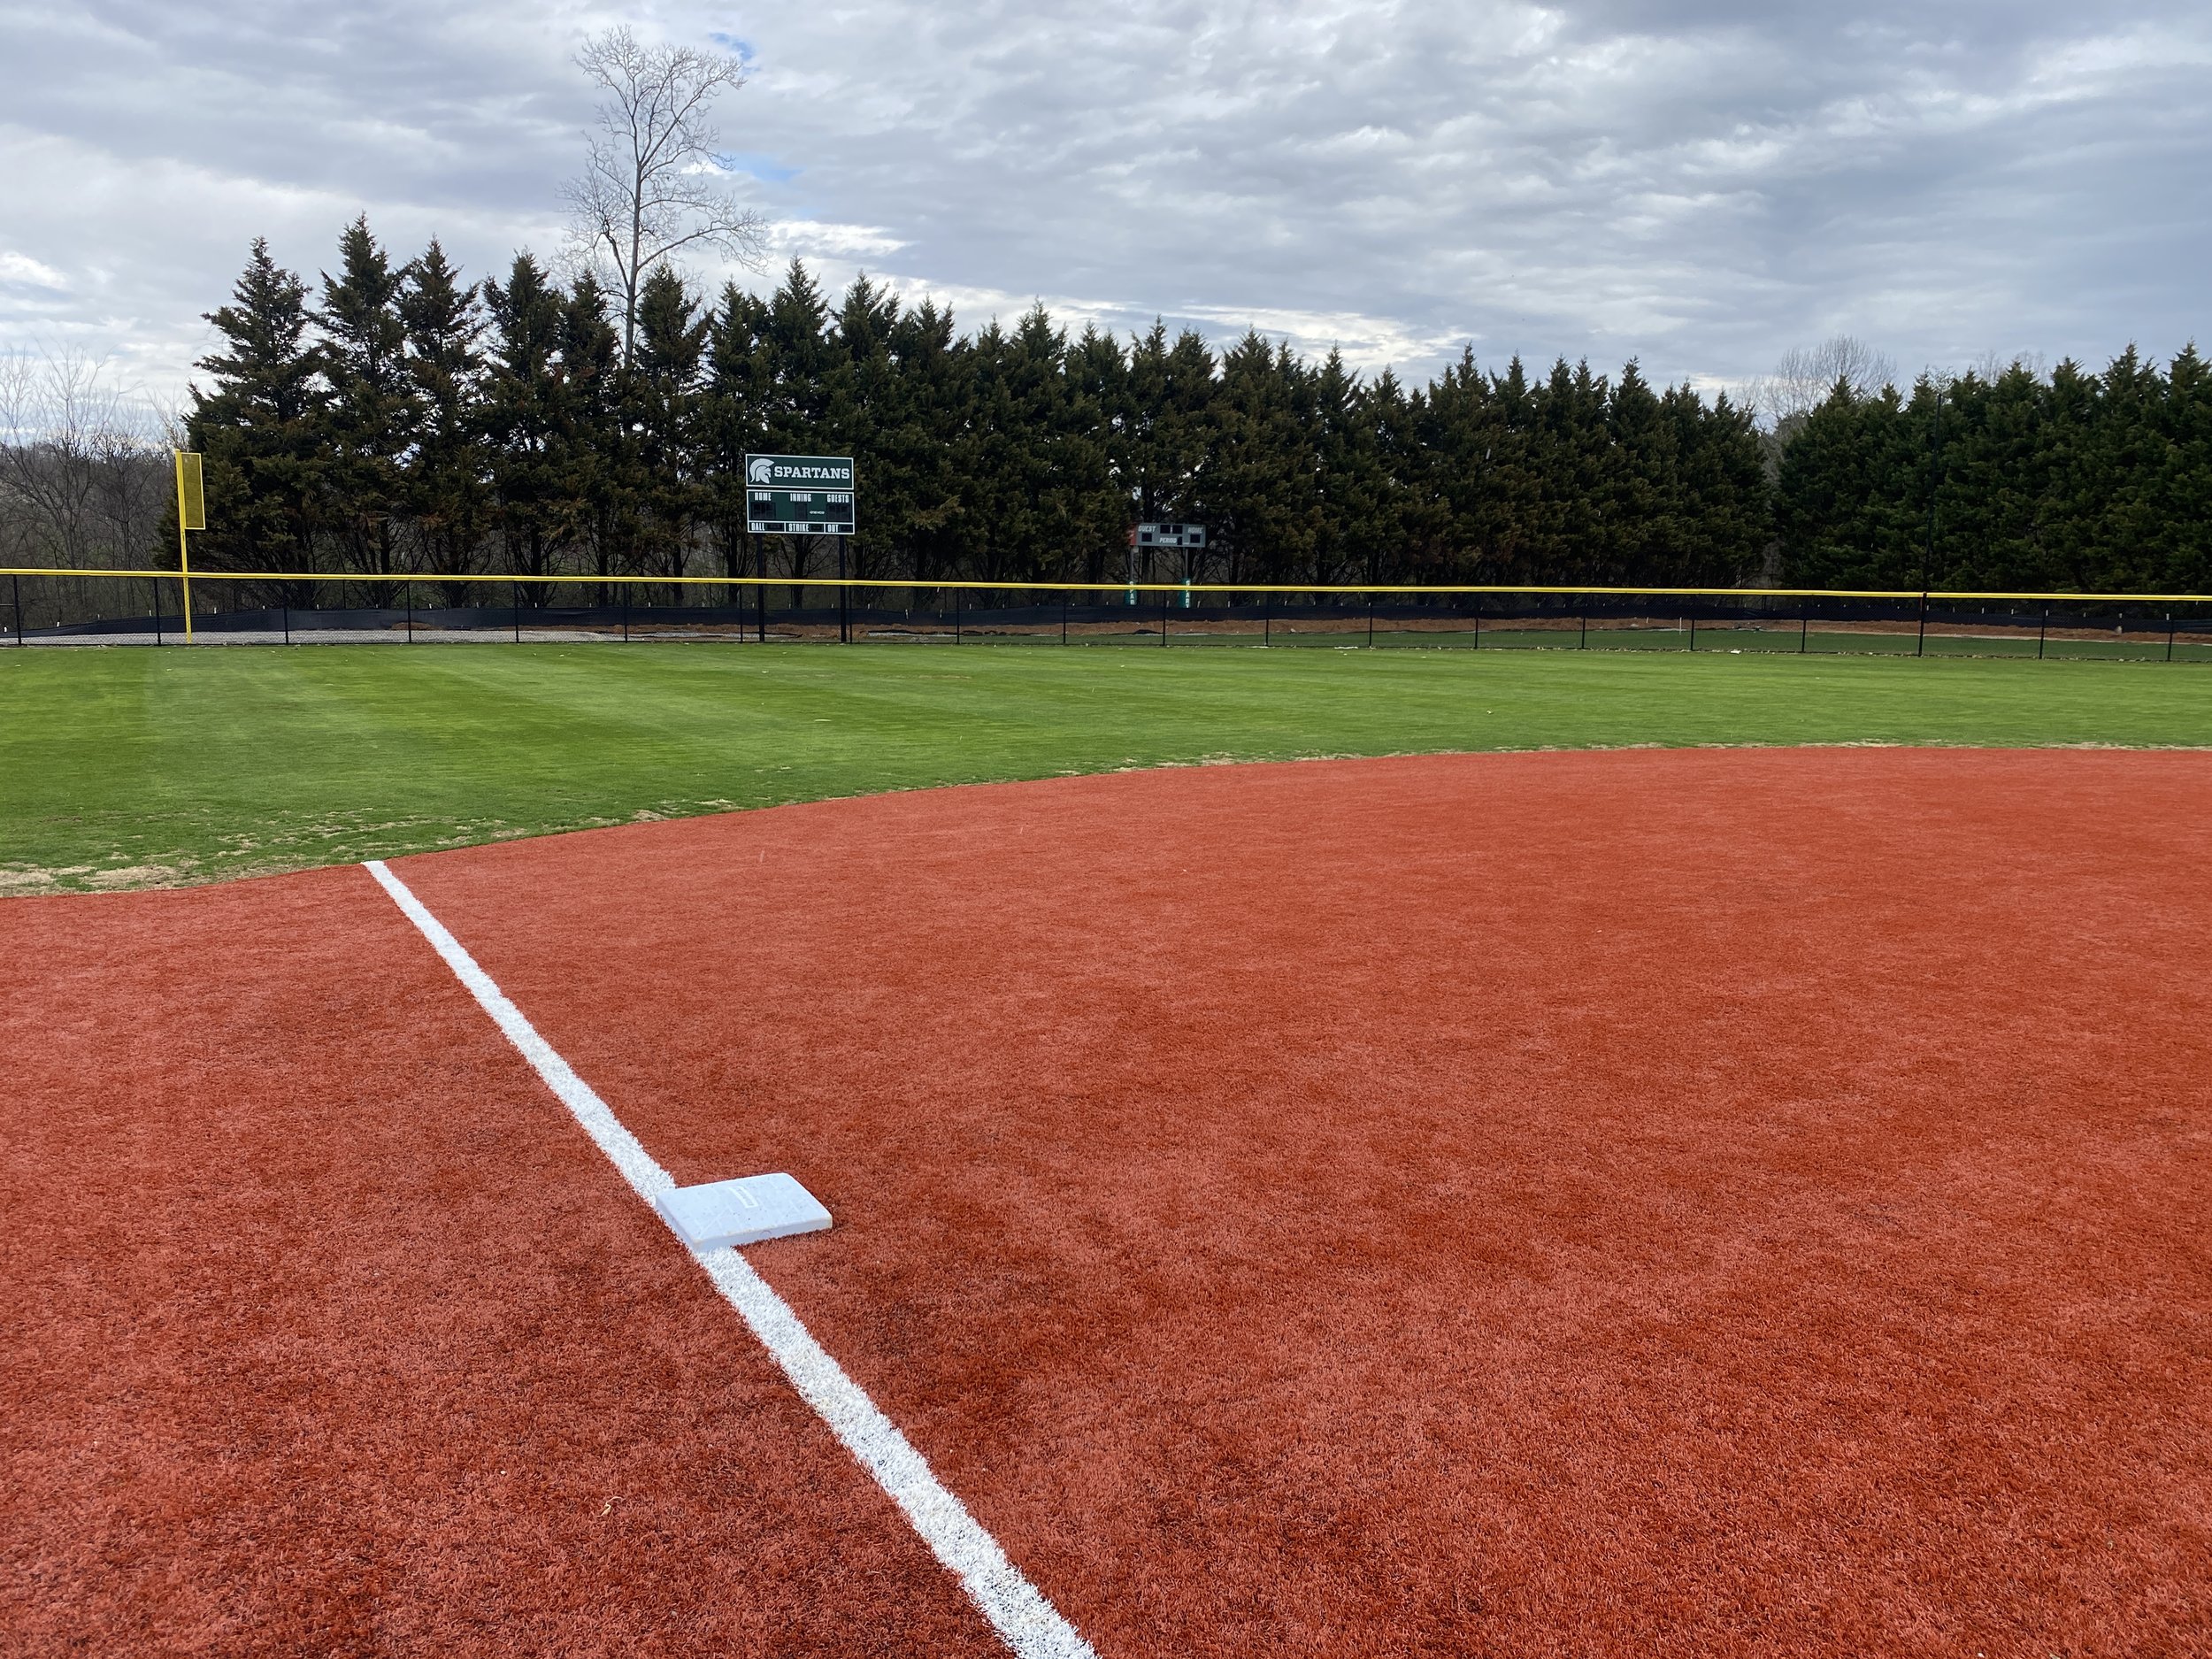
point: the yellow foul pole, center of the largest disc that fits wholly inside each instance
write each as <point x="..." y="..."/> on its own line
<point x="191" y="515"/>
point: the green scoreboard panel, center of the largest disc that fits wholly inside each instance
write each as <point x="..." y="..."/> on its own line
<point x="1185" y="535"/>
<point x="799" y="495"/>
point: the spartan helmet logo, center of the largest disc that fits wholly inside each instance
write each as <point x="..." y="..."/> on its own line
<point x="760" y="470"/>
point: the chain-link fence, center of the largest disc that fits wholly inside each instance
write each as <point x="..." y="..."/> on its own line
<point x="47" y="608"/>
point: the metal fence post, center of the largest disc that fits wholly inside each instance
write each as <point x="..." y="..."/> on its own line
<point x="154" y="582"/>
<point x="407" y="593"/>
<point x="1165" y="599"/>
<point x="2169" y="636"/>
<point x="516" y="588"/>
<point x="1804" y="623"/>
<point x="1583" y="644"/>
<point x="1920" y="648"/>
<point x="1267" y="619"/>
<point x="18" y="581"/>
<point x="284" y="615"/>
<point x="2041" y="629"/>
<point x="1692" y="645"/>
<point x="1371" y="619"/>
<point x="1064" y="615"/>
<point x="955" y="616"/>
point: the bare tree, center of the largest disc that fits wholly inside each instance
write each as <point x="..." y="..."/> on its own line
<point x="653" y="184"/>
<point x="82" y="478"/>
<point x="1992" y="364"/>
<point x="1805" y="375"/>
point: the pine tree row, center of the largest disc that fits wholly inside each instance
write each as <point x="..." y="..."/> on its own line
<point x="406" y="420"/>
<point x="2077" y="482"/>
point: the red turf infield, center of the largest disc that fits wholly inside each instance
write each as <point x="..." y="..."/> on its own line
<point x="1678" y="1203"/>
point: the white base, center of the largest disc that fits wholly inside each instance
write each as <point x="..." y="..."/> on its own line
<point x="748" y="1211"/>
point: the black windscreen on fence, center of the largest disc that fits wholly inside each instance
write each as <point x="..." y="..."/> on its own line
<point x="62" y="608"/>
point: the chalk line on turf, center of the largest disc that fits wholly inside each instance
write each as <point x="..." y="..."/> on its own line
<point x="1018" y="1611"/>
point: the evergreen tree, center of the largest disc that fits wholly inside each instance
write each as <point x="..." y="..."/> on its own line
<point x="1519" y="551"/>
<point x="1163" y="443"/>
<point x="261" y="425"/>
<point x="662" y="396"/>
<point x="1644" y="539"/>
<point x="731" y="424"/>
<point x="2128" y="459"/>
<point x="866" y="410"/>
<point x="1022" y="494"/>
<point x="447" y="476"/>
<point x="1462" y="432"/>
<point x="1097" y="414"/>
<point x="1723" y="519"/>
<point x="2070" y="497"/>
<point x="1262" y="463"/>
<point x="798" y="357"/>
<point x="591" y="380"/>
<point x="538" y="456"/>
<point x="2181" y="496"/>
<point x="936" y="389"/>
<point x="1395" y="526"/>
<point x="1846" y="491"/>
<point x="374" y="407"/>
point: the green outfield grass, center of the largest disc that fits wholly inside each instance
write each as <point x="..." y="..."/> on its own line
<point x="134" y="767"/>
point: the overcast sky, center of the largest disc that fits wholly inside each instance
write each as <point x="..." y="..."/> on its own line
<point x="1699" y="184"/>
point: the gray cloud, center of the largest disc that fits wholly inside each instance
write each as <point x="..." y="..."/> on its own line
<point x="1700" y="183"/>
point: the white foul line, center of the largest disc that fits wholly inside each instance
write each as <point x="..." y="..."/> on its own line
<point x="1029" y="1623"/>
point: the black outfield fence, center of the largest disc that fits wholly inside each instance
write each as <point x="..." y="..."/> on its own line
<point x="50" y="608"/>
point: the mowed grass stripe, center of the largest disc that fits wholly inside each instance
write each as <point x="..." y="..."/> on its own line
<point x="136" y="767"/>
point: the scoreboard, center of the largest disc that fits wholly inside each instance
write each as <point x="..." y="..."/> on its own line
<point x="1182" y="536"/>
<point x="799" y="495"/>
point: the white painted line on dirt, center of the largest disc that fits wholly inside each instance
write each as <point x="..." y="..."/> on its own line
<point x="1018" y="1611"/>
